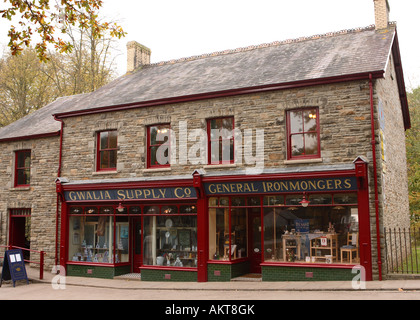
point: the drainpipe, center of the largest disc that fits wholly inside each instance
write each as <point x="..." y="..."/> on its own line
<point x="57" y="213"/>
<point x="375" y="171"/>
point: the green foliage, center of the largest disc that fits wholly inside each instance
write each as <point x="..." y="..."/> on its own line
<point x="413" y="154"/>
<point x="40" y="18"/>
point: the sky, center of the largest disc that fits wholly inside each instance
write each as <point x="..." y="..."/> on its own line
<point x="175" y="29"/>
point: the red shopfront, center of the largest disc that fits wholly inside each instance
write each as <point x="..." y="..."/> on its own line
<point x="286" y="227"/>
<point x="213" y="228"/>
<point x="113" y="229"/>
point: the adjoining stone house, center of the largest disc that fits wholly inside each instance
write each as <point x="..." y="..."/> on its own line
<point x="255" y="160"/>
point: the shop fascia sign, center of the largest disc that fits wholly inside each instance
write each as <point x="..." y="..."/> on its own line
<point x="282" y="186"/>
<point x="131" y="194"/>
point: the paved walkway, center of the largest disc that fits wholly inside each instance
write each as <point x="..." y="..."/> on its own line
<point x="402" y="285"/>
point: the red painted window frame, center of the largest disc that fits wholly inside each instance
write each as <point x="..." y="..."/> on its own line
<point x="209" y="151"/>
<point x="99" y="150"/>
<point x="289" y="135"/>
<point x="17" y="168"/>
<point x="149" y="165"/>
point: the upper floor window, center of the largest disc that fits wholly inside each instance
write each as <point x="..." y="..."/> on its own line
<point x="107" y="150"/>
<point x="303" y="133"/>
<point x="220" y="140"/>
<point x="23" y="168"/>
<point x="158" y="145"/>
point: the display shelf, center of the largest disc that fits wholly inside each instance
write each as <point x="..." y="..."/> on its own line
<point x="325" y="247"/>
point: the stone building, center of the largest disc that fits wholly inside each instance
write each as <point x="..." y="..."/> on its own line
<point x="284" y="159"/>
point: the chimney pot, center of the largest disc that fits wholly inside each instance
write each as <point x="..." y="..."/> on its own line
<point x="138" y="55"/>
<point x="382" y="10"/>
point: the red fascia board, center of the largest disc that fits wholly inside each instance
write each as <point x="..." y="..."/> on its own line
<point x="226" y="93"/>
<point x="279" y="176"/>
<point x="129" y="185"/>
<point x="31" y="137"/>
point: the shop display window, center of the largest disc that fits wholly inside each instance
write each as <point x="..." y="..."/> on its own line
<point x="170" y="236"/>
<point x="327" y="231"/>
<point x="92" y="232"/>
<point x="324" y="232"/>
<point x="228" y="236"/>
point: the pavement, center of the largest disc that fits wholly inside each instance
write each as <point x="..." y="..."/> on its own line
<point x="134" y="282"/>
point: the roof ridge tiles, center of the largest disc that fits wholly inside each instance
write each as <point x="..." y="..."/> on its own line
<point x="265" y="45"/>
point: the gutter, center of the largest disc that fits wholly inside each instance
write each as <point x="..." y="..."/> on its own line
<point x="224" y="93"/>
<point x="57" y="213"/>
<point x="375" y="177"/>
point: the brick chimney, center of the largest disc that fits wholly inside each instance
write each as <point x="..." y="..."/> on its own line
<point x="137" y="56"/>
<point x="381" y="14"/>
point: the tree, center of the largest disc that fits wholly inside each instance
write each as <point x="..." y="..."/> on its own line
<point x="27" y="84"/>
<point x="88" y="67"/>
<point x="46" y="20"/>
<point x="413" y="153"/>
<point x="24" y="87"/>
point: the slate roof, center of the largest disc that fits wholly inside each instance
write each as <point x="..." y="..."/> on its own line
<point x="40" y="122"/>
<point x="348" y="52"/>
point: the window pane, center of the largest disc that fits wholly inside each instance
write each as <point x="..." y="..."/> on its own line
<point x="104" y="140"/>
<point x="273" y="230"/>
<point x="310" y="120"/>
<point x="238" y="201"/>
<point x="112" y="159"/>
<point x="218" y="227"/>
<point x="273" y="200"/>
<point x="295" y="121"/>
<point x="113" y="139"/>
<point x="311" y="144"/>
<point x="297" y="145"/>
<point x="159" y="134"/>
<point x="320" y="199"/>
<point x="316" y="234"/>
<point x="135" y="210"/>
<point x="122" y="252"/>
<point x="23" y="176"/>
<point x="91" y="240"/>
<point x="238" y="235"/>
<point x="169" y="209"/>
<point x="173" y="245"/>
<point x="346" y="198"/>
<point x="227" y="150"/>
<point x="151" y="210"/>
<point x="159" y="155"/>
<point x="105" y="158"/>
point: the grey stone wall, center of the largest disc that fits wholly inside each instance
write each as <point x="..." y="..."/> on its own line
<point x="40" y="196"/>
<point x="344" y="122"/>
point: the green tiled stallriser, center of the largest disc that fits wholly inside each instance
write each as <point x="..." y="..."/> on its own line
<point x="168" y="275"/>
<point x="96" y="271"/>
<point x="278" y="273"/>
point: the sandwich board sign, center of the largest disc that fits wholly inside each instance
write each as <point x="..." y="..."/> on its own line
<point x="13" y="267"/>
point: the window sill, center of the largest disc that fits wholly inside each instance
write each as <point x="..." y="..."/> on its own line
<point x="219" y="166"/>
<point x="100" y="173"/>
<point x="20" y="189"/>
<point x="151" y="170"/>
<point x="317" y="160"/>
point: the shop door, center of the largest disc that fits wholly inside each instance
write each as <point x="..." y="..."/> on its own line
<point x="136" y="236"/>
<point x="254" y="240"/>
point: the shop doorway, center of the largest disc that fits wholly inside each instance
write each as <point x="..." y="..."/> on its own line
<point x="136" y="238"/>
<point x="20" y="230"/>
<point x="254" y="239"/>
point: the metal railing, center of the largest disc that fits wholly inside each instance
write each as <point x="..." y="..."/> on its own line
<point x="402" y="250"/>
<point x="40" y="262"/>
